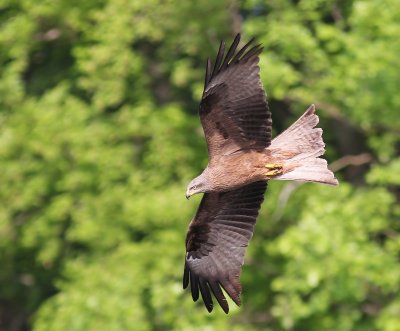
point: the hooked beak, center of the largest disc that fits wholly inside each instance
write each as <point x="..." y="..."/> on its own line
<point x="187" y="195"/>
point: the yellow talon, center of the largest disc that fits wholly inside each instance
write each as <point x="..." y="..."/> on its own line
<point x="273" y="166"/>
<point x="274" y="169"/>
<point x="273" y="172"/>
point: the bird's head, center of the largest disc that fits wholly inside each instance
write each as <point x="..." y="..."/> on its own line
<point x="197" y="185"/>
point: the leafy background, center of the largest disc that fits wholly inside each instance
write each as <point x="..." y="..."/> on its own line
<point x="99" y="136"/>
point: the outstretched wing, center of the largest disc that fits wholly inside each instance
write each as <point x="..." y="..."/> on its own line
<point x="216" y="243"/>
<point x="233" y="109"/>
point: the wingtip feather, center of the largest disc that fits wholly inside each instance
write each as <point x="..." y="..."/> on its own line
<point x="252" y="53"/>
<point x="208" y="73"/>
<point x="231" y="51"/>
<point x="219" y="295"/>
<point x="222" y="61"/>
<point x="194" y="286"/>
<point x="233" y="289"/>
<point x="219" y="59"/>
<point x="185" y="280"/>
<point x="206" y="295"/>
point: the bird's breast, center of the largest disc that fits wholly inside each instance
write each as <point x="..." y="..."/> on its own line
<point x="236" y="170"/>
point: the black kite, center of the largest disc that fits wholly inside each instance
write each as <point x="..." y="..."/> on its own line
<point x="242" y="158"/>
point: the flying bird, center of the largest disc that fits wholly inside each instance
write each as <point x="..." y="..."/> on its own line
<point x="242" y="158"/>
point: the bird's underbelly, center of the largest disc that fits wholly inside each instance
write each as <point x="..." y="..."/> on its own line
<point x="233" y="171"/>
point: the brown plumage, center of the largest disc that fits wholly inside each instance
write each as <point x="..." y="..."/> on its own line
<point x="242" y="158"/>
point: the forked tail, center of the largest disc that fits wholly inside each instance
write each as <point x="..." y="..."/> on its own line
<point x="299" y="148"/>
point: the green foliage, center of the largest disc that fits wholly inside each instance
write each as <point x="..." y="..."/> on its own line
<point x="99" y="135"/>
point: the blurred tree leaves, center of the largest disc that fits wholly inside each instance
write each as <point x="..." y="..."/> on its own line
<point x="99" y="136"/>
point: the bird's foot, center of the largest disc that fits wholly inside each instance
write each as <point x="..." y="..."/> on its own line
<point x="274" y="169"/>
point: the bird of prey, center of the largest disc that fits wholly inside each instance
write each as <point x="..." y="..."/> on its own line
<point x="242" y="159"/>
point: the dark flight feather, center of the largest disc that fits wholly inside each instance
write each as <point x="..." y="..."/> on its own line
<point x="234" y="111"/>
<point x="225" y="230"/>
<point x="242" y="50"/>
<point x="218" y="61"/>
<point x="208" y="73"/>
<point x="231" y="52"/>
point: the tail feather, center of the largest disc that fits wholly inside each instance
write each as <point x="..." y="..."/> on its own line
<point x="299" y="148"/>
